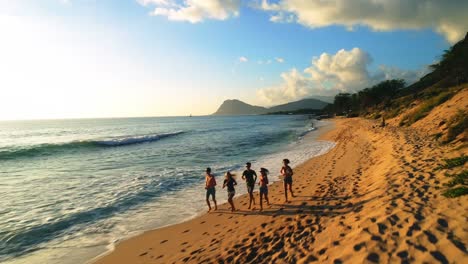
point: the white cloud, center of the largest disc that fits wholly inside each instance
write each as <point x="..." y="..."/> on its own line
<point x="329" y="74"/>
<point x="243" y="59"/>
<point x="346" y="70"/>
<point x="295" y="85"/>
<point x="194" y="11"/>
<point x="155" y="2"/>
<point x="447" y="17"/>
<point x="280" y="60"/>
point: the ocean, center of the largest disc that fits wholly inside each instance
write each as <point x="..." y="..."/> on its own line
<point x="71" y="189"/>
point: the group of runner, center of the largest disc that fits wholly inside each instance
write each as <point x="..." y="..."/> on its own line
<point x="250" y="178"/>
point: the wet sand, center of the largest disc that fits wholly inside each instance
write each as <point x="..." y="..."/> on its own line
<point x="374" y="198"/>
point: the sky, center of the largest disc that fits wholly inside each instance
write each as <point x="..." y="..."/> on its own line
<point x="106" y="58"/>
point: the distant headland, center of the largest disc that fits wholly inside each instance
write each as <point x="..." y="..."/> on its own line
<point x="237" y="107"/>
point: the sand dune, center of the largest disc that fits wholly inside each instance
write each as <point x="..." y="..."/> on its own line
<point x="373" y="198"/>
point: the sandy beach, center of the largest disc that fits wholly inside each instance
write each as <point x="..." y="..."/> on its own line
<point x="374" y="198"/>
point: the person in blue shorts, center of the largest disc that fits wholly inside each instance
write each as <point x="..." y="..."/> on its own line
<point x="210" y="183"/>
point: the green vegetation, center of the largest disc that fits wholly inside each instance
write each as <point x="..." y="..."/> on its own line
<point x="391" y="98"/>
<point x="461" y="178"/>
<point x="381" y="93"/>
<point x="458" y="184"/>
<point x="454" y="162"/>
<point x="424" y="109"/>
<point x="457" y="125"/>
<point x="456" y="192"/>
<point x="451" y="70"/>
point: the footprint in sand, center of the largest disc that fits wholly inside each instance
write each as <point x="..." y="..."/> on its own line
<point x="322" y="251"/>
<point x="373" y="257"/>
<point x="442" y="222"/>
<point x="358" y="247"/>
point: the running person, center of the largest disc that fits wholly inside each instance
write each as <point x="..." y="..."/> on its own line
<point x="230" y="183"/>
<point x="250" y="177"/>
<point x="287" y="173"/>
<point x="263" y="182"/>
<point x="210" y="183"/>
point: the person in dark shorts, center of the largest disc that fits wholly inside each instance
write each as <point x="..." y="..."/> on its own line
<point x="287" y="173"/>
<point x="230" y="182"/>
<point x="263" y="182"/>
<point x="250" y="177"/>
<point x="210" y="183"/>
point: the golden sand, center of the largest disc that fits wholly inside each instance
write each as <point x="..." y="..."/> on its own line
<point x="375" y="197"/>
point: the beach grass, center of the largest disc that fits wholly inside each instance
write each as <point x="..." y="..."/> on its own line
<point x="456" y="192"/>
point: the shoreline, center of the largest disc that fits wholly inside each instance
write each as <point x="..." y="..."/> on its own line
<point x="350" y="204"/>
<point x="315" y="135"/>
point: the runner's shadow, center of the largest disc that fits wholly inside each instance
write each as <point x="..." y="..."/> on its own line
<point x="326" y="209"/>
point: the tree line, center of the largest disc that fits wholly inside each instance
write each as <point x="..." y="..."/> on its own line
<point x="451" y="70"/>
<point x="355" y="103"/>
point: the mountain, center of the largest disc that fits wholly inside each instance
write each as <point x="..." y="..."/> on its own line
<point x="298" y="105"/>
<point x="326" y="99"/>
<point x="236" y="107"/>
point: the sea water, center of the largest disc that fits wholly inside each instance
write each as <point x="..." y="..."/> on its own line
<point x="71" y="189"/>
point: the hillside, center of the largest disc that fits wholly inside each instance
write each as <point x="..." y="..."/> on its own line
<point x="438" y="103"/>
<point x="302" y="104"/>
<point x="435" y="107"/>
<point x="236" y="107"/>
<point x="451" y="70"/>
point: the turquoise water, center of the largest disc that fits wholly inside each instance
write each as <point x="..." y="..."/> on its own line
<point x="72" y="188"/>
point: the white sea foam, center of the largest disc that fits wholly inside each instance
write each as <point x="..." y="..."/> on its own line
<point x="140" y="195"/>
<point x="122" y="141"/>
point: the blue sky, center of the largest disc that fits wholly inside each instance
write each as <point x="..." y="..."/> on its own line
<point x="124" y="61"/>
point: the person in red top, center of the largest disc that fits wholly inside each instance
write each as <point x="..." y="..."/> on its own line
<point x="263" y="187"/>
<point x="210" y="183"/>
